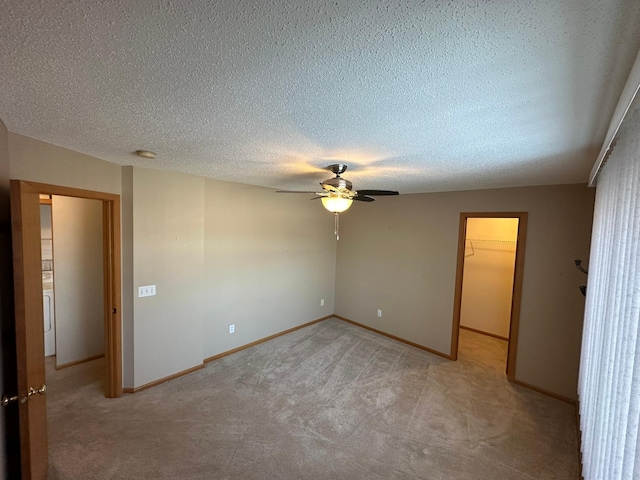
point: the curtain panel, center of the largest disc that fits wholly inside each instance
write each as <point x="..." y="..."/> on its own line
<point x="609" y="386"/>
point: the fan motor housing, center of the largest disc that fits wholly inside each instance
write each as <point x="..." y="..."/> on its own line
<point x="338" y="183"/>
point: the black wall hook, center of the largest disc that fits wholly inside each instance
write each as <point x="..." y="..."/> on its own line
<point x="583" y="288"/>
<point x="578" y="263"/>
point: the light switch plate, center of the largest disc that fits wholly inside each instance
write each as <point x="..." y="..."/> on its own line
<point x="146" y="291"/>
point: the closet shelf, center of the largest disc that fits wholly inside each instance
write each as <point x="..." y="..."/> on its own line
<point x="471" y="244"/>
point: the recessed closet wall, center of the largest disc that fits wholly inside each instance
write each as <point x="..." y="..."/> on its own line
<point x="487" y="285"/>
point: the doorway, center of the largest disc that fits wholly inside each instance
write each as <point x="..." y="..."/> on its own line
<point x="72" y="279"/>
<point x="489" y="279"/>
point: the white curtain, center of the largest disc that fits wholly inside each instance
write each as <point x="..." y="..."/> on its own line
<point x="609" y="388"/>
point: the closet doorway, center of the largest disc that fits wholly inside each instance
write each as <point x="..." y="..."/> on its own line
<point x="489" y="279"/>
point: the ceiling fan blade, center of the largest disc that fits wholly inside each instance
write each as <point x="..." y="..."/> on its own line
<point x="377" y="192"/>
<point x="363" y="198"/>
<point x="295" y="191"/>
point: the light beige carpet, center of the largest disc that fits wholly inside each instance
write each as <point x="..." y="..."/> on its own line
<point x="330" y="401"/>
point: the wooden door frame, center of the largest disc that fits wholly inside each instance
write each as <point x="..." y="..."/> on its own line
<point x="514" y="323"/>
<point x="111" y="271"/>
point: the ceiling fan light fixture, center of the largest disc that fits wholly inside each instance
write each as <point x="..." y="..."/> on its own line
<point x="336" y="204"/>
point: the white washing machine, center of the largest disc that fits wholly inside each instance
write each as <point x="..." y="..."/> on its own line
<point x="49" y="314"/>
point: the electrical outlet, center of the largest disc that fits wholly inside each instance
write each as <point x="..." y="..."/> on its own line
<point x="146" y="291"/>
<point x="379" y="312"/>
<point x="322" y="302"/>
<point x="232" y="328"/>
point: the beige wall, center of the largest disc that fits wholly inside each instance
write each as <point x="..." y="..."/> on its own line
<point x="402" y="251"/>
<point x="128" y="290"/>
<point x="487" y="284"/>
<point x="269" y="260"/>
<point x="42" y="162"/>
<point x="219" y="253"/>
<point x="78" y="278"/>
<point x="168" y="251"/>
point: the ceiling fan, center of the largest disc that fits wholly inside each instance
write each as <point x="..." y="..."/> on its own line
<point x="337" y="193"/>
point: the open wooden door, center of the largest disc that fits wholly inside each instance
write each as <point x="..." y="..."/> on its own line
<point x="27" y="267"/>
<point x="25" y="219"/>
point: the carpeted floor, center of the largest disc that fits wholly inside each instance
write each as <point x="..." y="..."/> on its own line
<point x="330" y="401"/>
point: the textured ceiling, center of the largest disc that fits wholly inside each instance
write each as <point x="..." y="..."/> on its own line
<point x="413" y="96"/>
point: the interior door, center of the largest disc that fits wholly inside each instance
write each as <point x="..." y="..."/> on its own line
<point x="25" y="219"/>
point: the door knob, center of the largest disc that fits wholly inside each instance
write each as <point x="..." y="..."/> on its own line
<point x="6" y="400"/>
<point x="41" y="391"/>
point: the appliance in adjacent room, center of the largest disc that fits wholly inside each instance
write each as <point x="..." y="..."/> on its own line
<point x="47" y="280"/>
<point x="49" y="314"/>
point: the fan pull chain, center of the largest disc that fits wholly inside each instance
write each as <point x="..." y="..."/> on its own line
<point x="336" y="230"/>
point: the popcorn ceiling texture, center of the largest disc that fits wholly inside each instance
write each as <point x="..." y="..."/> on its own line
<point x="413" y="96"/>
